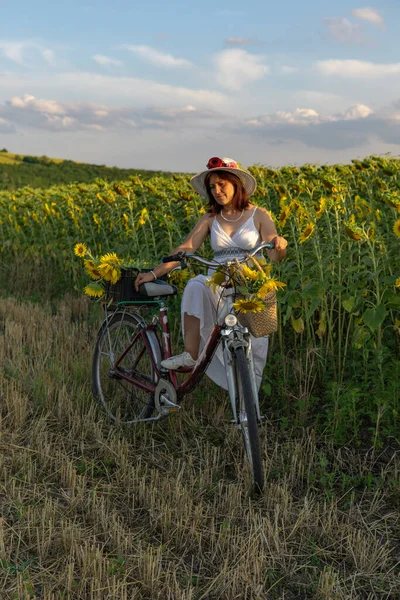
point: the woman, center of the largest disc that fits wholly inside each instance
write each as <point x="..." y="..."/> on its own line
<point x="235" y="226"/>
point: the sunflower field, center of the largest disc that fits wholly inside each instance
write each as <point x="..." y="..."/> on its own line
<point x="334" y="362"/>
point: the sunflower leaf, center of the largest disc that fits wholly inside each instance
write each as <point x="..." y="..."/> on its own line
<point x="374" y="317"/>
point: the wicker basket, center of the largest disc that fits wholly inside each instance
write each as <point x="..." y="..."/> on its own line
<point x="264" y="322"/>
<point x="124" y="289"/>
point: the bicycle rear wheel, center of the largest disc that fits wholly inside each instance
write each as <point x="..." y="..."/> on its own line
<point x="248" y="419"/>
<point x="123" y="401"/>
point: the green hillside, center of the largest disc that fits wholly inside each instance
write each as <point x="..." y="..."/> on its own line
<point x="18" y="170"/>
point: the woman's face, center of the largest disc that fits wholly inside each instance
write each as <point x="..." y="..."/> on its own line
<point x="222" y="190"/>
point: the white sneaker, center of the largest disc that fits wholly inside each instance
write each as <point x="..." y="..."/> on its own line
<point x="181" y="360"/>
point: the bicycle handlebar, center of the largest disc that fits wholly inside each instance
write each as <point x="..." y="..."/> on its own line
<point x="183" y="255"/>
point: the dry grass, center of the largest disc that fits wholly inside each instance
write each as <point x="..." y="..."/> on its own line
<point x="88" y="511"/>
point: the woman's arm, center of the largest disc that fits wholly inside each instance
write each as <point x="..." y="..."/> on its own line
<point x="268" y="233"/>
<point x="192" y="243"/>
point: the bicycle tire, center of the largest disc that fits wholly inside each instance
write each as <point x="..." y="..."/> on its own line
<point x="248" y="419"/>
<point x="124" y="402"/>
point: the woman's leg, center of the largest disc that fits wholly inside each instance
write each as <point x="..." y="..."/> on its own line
<point x="192" y="335"/>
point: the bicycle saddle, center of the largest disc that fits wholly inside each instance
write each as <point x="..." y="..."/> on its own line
<point x="158" y="287"/>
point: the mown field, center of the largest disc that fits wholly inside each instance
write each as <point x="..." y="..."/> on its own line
<point x="88" y="510"/>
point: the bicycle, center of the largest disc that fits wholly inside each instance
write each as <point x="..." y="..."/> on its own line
<point x="131" y="384"/>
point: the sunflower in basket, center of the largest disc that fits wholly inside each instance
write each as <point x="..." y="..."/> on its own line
<point x="101" y="270"/>
<point x="256" y="293"/>
<point x="253" y="283"/>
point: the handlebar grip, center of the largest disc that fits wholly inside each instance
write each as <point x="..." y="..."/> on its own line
<point x="173" y="257"/>
<point x="271" y="245"/>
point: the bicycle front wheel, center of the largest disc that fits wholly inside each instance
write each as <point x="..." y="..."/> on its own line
<point x="248" y="419"/>
<point x="123" y="401"/>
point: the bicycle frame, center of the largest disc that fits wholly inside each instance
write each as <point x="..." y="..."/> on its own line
<point x="231" y="337"/>
<point x="195" y="374"/>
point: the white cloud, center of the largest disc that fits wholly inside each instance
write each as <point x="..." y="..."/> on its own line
<point x="236" y="68"/>
<point x="357" y="68"/>
<point x="309" y="116"/>
<point x="109" y="89"/>
<point x="300" y="116"/>
<point x="371" y="15"/>
<point x="158" y="58"/>
<point x="13" y="51"/>
<point x="357" y="126"/>
<point x="343" y="30"/>
<point x="48" y="115"/>
<point x="42" y="106"/>
<point x="22" y="52"/>
<point x="105" y="61"/>
<point x="358" y="111"/>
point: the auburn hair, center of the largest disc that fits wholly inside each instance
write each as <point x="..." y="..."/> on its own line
<point x="240" y="200"/>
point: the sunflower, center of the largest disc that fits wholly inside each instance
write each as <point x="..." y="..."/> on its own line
<point x="267" y="269"/>
<point x="307" y="232"/>
<point x="94" y="289"/>
<point x="323" y="203"/>
<point x="249" y="273"/>
<point x="218" y="278"/>
<point x="91" y="269"/>
<point x="244" y="306"/>
<point x="144" y="215"/>
<point x="109" y="272"/>
<point x="352" y="230"/>
<point x="269" y="286"/>
<point x="284" y="215"/>
<point x="396" y="228"/>
<point x="397" y="282"/>
<point x="80" y="249"/>
<point x="111" y="257"/>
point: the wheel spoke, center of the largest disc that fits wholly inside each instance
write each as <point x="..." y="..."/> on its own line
<point x="123" y="401"/>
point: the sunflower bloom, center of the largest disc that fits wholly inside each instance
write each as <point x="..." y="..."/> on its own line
<point x="111" y="257"/>
<point x="269" y="286"/>
<point x="95" y="290"/>
<point x="396" y="228"/>
<point x="397" y="282"/>
<point x="144" y="215"/>
<point x="284" y="215"/>
<point x="90" y="268"/>
<point x="323" y="203"/>
<point x="249" y="273"/>
<point x="306" y="233"/>
<point x="218" y="278"/>
<point x="352" y="230"/>
<point x="244" y="306"/>
<point x="80" y="249"/>
<point x="267" y="269"/>
<point x="109" y="272"/>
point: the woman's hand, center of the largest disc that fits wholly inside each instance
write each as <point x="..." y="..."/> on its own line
<point x="143" y="278"/>
<point x="280" y="243"/>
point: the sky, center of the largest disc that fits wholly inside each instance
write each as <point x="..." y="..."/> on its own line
<point x="166" y="85"/>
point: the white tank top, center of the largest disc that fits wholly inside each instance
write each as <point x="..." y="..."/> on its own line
<point x="246" y="236"/>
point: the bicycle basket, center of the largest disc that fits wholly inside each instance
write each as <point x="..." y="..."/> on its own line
<point x="264" y="322"/>
<point x="124" y="289"/>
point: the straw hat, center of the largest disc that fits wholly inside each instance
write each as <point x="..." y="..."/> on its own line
<point x="223" y="164"/>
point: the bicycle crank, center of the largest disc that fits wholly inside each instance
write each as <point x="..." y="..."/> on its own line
<point x="165" y="398"/>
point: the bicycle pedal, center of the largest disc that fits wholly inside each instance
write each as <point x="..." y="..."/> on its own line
<point x="168" y="404"/>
